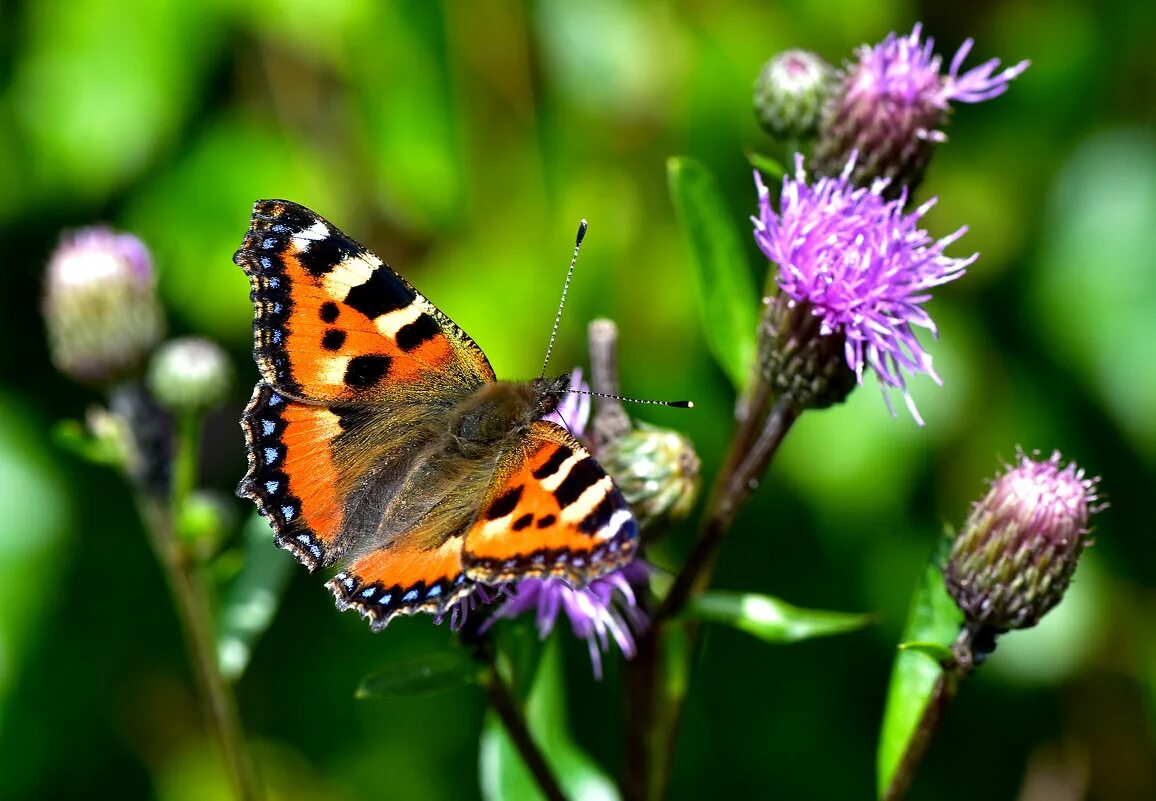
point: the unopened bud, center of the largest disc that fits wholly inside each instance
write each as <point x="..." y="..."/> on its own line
<point x="190" y="375"/>
<point x="790" y="93"/>
<point x="657" y="471"/>
<point x="1015" y="556"/>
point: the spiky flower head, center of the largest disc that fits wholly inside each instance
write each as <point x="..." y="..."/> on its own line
<point x="1015" y="556"/>
<point x="100" y="305"/>
<point x="891" y="105"/>
<point x="790" y="94"/>
<point x="605" y="610"/>
<point x="190" y="375"/>
<point x="657" y="471"/>
<point x="853" y="272"/>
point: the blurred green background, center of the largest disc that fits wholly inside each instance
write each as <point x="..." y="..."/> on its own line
<point x="462" y="142"/>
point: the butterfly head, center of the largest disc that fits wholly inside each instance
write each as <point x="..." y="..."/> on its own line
<point x="548" y="394"/>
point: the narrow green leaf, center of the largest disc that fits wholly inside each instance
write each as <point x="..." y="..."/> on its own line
<point x="772" y="619"/>
<point x="425" y="675"/>
<point x="504" y="777"/>
<point x="938" y="653"/>
<point x="932" y="624"/>
<point x="728" y="297"/>
<point x="72" y="436"/>
<point x="766" y="165"/>
<point x="253" y="598"/>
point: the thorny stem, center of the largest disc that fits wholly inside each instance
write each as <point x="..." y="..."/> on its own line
<point x="968" y="650"/>
<point x="193" y="610"/>
<point x="509" y="712"/>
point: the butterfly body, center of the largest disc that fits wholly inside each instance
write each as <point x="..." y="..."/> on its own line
<point x="379" y="439"/>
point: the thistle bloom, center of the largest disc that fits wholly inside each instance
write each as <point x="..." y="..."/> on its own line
<point x="603" y="610"/>
<point x="892" y="103"/>
<point x="100" y="305"/>
<point x="1015" y="556"/>
<point x="853" y="271"/>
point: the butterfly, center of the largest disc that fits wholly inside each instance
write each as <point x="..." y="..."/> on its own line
<point x="380" y="441"/>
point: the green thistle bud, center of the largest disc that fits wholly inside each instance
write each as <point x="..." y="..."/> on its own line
<point x="790" y="94"/>
<point x="190" y="375"/>
<point x="657" y="471"/>
<point x="1015" y="556"/>
<point x="100" y="305"/>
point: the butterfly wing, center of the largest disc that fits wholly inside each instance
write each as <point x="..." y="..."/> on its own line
<point x="356" y="366"/>
<point x="552" y="511"/>
<point x="334" y="324"/>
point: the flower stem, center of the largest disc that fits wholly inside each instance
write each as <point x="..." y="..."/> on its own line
<point x="194" y="609"/>
<point x="656" y="688"/>
<point x="754" y="444"/>
<point x="942" y="693"/>
<point x="509" y="711"/>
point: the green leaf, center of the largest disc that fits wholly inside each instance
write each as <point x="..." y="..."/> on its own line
<point x="772" y="619"/>
<point x="425" y="675"/>
<point x="253" y="599"/>
<point x="939" y="653"/>
<point x="504" y="777"/>
<point x="728" y="297"/>
<point x="932" y="624"/>
<point x="103" y="449"/>
<point x="766" y="165"/>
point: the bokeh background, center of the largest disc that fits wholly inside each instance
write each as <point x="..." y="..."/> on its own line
<point x="463" y="141"/>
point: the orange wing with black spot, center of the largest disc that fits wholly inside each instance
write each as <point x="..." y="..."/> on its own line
<point x="552" y="512"/>
<point x="334" y="324"/>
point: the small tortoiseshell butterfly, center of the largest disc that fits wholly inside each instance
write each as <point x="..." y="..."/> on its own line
<point x="379" y="439"/>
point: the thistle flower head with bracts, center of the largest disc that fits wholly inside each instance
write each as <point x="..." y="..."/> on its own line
<point x="892" y="103"/>
<point x="100" y="305"/>
<point x="853" y="272"/>
<point x="1015" y="556"/>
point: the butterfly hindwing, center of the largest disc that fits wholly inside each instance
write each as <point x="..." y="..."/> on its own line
<point x="403" y="578"/>
<point x="292" y="475"/>
<point x="333" y="323"/>
<point x="553" y="511"/>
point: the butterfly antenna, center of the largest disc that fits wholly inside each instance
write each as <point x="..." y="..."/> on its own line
<point x="565" y="289"/>
<point x="678" y="404"/>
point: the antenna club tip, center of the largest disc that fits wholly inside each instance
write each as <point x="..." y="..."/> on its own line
<point x="581" y="233"/>
<point x="685" y="404"/>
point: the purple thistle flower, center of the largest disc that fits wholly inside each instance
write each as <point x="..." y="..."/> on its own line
<point x="573" y="413"/>
<point x="892" y="103"/>
<point x="607" y="609"/>
<point x="100" y="305"/>
<point x="860" y="266"/>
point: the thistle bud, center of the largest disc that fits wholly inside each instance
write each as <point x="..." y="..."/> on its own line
<point x="890" y="106"/>
<point x="190" y="375"/>
<point x="657" y="471"/>
<point x="100" y="305"/>
<point x="1016" y="554"/>
<point x="790" y="93"/>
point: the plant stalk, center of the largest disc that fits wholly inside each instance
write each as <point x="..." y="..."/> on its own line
<point x="509" y="711"/>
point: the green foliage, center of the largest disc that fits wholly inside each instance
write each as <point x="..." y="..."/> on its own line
<point x="432" y="673"/>
<point x="504" y="777"/>
<point x="772" y="619"/>
<point x="932" y="625"/>
<point x="728" y="299"/>
<point x="253" y="597"/>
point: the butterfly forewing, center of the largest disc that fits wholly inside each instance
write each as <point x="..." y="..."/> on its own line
<point x="333" y="323"/>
